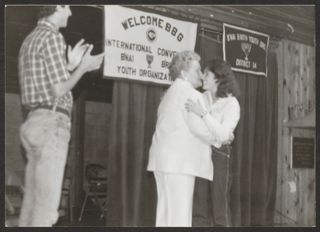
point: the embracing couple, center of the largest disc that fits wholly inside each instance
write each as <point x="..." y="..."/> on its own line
<point x="192" y="139"/>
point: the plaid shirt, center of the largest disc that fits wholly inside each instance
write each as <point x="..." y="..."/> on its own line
<point x="42" y="64"/>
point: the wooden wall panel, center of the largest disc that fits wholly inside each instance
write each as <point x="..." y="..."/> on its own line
<point x="280" y="161"/>
<point x="296" y="186"/>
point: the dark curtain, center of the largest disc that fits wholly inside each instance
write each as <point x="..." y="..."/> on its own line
<point x="132" y="190"/>
<point x="255" y="150"/>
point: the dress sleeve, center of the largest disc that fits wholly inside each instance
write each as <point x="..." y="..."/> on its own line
<point x="198" y="128"/>
<point x="223" y="131"/>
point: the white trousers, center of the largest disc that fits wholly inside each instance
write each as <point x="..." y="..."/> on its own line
<point x="175" y="199"/>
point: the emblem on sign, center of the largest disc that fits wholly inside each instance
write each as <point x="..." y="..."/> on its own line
<point x="151" y="35"/>
<point x="149" y="59"/>
<point x="246" y="48"/>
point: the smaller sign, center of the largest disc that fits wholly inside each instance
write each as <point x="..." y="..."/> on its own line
<point x="302" y="152"/>
<point x="246" y="50"/>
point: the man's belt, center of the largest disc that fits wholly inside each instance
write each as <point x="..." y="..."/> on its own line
<point x="58" y="109"/>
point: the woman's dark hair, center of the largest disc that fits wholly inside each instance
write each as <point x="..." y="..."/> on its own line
<point x="45" y="11"/>
<point x="227" y="83"/>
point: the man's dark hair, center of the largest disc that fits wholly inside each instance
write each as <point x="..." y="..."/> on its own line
<point x="45" y="11"/>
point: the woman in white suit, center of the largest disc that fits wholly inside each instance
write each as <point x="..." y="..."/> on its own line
<point x="177" y="155"/>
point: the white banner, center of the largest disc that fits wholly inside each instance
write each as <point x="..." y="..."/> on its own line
<point x="140" y="45"/>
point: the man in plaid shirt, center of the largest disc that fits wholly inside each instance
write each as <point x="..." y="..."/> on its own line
<point x="46" y="80"/>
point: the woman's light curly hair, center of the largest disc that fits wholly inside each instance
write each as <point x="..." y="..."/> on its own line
<point x="182" y="61"/>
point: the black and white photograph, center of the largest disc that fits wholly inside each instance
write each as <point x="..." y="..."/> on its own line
<point x="160" y="115"/>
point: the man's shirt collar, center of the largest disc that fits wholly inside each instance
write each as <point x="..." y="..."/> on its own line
<point x="46" y="23"/>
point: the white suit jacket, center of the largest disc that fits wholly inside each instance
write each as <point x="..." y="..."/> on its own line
<point x="175" y="148"/>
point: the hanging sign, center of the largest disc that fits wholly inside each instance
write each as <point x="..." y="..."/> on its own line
<point x="140" y="45"/>
<point x="245" y="50"/>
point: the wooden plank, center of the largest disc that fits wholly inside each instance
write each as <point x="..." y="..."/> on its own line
<point x="296" y="99"/>
<point x="280" y="159"/>
<point x="306" y="196"/>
